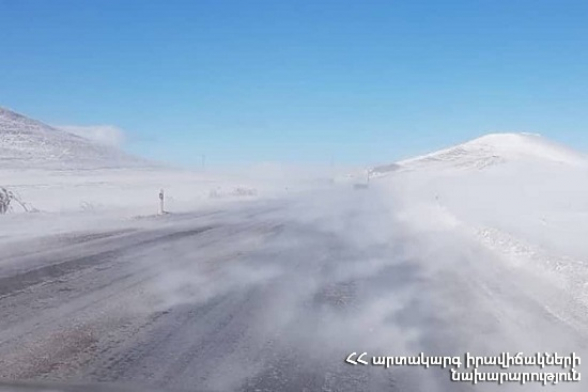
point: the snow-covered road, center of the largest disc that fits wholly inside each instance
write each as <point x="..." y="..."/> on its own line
<point x="274" y="296"/>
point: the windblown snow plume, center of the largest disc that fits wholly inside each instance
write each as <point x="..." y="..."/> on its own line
<point x="108" y="135"/>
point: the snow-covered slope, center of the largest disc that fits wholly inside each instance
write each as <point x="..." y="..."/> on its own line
<point x="495" y="149"/>
<point x="27" y="143"/>
<point x="522" y="196"/>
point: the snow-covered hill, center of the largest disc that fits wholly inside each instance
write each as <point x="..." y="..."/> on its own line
<point x="521" y="195"/>
<point x="29" y="144"/>
<point x="495" y="149"/>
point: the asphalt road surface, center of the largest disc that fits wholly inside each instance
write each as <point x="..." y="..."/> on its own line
<point x="269" y="296"/>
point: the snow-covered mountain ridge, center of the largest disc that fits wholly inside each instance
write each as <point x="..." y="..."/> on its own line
<point x="26" y="143"/>
<point x="499" y="148"/>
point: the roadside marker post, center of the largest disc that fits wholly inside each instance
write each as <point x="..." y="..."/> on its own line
<point x="161" y="200"/>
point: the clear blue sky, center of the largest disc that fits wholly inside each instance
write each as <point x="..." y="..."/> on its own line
<point x="299" y="81"/>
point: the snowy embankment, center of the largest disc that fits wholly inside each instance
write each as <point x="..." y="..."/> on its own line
<point x="131" y="191"/>
<point x="522" y="197"/>
<point x="95" y="200"/>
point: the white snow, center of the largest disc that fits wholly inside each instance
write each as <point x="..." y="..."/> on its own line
<point x="27" y="144"/>
<point x="496" y="225"/>
<point x="129" y="191"/>
<point x="521" y="196"/>
<point x="497" y="149"/>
